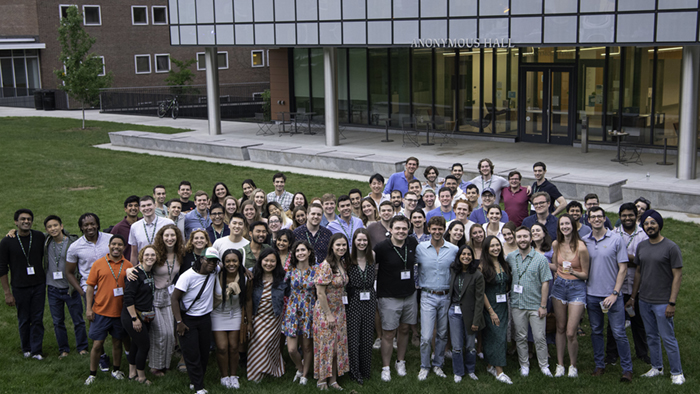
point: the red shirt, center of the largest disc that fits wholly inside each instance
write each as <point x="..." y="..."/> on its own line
<point x="515" y="204"/>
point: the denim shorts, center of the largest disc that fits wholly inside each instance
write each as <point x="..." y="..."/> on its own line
<point x="104" y="325"/>
<point x="569" y="291"/>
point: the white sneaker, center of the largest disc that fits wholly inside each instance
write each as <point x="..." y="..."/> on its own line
<point x="233" y="381"/>
<point x="119" y="375"/>
<point x="627" y="324"/>
<point x="401" y="367"/>
<point x="678" y="379"/>
<point x="524" y="371"/>
<point x="573" y="372"/>
<point x="560" y="371"/>
<point x="472" y="376"/>
<point x="458" y="378"/>
<point x="27" y="354"/>
<point x="546" y="372"/>
<point x="377" y="344"/>
<point x="480" y="355"/>
<point x="423" y="374"/>
<point x="37" y="357"/>
<point x="226" y="382"/>
<point x="297" y="376"/>
<point x="202" y="391"/>
<point x="448" y="354"/>
<point x="492" y="371"/>
<point x="395" y="345"/>
<point x="386" y="374"/>
<point x="191" y="387"/>
<point x="438" y="371"/>
<point x="504" y="378"/>
<point x="90" y="380"/>
<point x="302" y="381"/>
<point x="653" y="372"/>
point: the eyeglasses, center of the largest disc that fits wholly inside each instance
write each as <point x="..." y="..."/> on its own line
<point x="216" y="214"/>
<point x="539" y="204"/>
<point x="274" y="221"/>
<point x="596" y="217"/>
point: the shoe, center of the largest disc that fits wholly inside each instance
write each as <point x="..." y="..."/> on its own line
<point x="546" y="372"/>
<point x="480" y="355"/>
<point x="502" y="377"/>
<point x="119" y="375"/>
<point x="297" y="376"/>
<point x="610" y="361"/>
<point x="401" y="367"/>
<point x="191" y="386"/>
<point x="335" y="386"/>
<point x="678" y="379"/>
<point x="386" y="374"/>
<point x="627" y="324"/>
<point x="524" y="371"/>
<point x="653" y="372"/>
<point x="62" y="355"/>
<point x="104" y="363"/>
<point x="302" y="381"/>
<point x="458" y="378"/>
<point x="27" y="354"/>
<point x="492" y="371"/>
<point x="423" y="374"/>
<point x="233" y="381"/>
<point x="438" y="371"/>
<point x="573" y="372"/>
<point x="598" y="372"/>
<point x="472" y="376"/>
<point x="560" y="371"/>
<point x="90" y="380"/>
<point x="626" y="377"/>
<point x="395" y="345"/>
<point x="226" y="382"/>
<point x="37" y="357"/>
<point x="202" y="391"/>
<point x="448" y="354"/>
<point x="83" y="353"/>
<point x="377" y="344"/>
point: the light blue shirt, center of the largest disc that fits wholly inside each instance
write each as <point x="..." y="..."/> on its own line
<point x="348" y="229"/>
<point x="194" y="221"/>
<point x="606" y="256"/>
<point x="434" y="266"/>
<point x="397" y="181"/>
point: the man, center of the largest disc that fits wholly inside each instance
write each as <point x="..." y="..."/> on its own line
<point x="312" y="231"/>
<point x="356" y="202"/>
<point x="217" y="229"/>
<point x="414" y="186"/>
<point x="657" y="282"/>
<point x="131" y="208"/>
<point x="515" y="199"/>
<point x="144" y="231"/>
<point x="452" y="183"/>
<point x="199" y="217"/>
<point x="399" y="181"/>
<point x="432" y="182"/>
<point x="410" y="204"/>
<point x="376" y="185"/>
<point x="457" y="171"/>
<point x="461" y="208"/>
<point x="185" y="191"/>
<point x="235" y="239"/>
<point x="487" y="179"/>
<point x="380" y="230"/>
<point x="541" y="202"/>
<point x="575" y="209"/>
<point x="445" y="209"/>
<point x="281" y="196"/>
<point x="105" y="295"/>
<point x="396" y="293"/>
<point x="528" y="299"/>
<point x="429" y="197"/>
<point x="175" y="214"/>
<point x="434" y="258"/>
<point x="345" y="223"/>
<point x="479" y="215"/>
<point x="60" y="293"/>
<point x="608" y="268"/>
<point x="328" y="202"/>
<point x="251" y="251"/>
<point x="632" y="235"/>
<point x="159" y="196"/>
<point x="591" y="200"/>
<point x="541" y="184"/>
<point x="396" y="200"/>
<point x="23" y="255"/>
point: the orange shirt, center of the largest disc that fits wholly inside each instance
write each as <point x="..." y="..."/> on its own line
<point x="104" y="301"/>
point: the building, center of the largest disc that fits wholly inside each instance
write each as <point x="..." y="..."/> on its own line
<point x="526" y="70"/>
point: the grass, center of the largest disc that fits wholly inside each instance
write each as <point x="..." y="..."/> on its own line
<point x="52" y="168"/>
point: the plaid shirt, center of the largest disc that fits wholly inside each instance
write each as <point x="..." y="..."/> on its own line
<point x="285" y="200"/>
<point x="529" y="273"/>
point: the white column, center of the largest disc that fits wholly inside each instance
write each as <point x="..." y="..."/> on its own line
<point x="330" y="81"/>
<point x="688" y="130"/>
<point x="212" y="71"/>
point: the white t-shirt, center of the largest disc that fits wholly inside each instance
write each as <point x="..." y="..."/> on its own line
<point x="497" y="183"/>
<point x="142" y="234"/>
<point x="189" y="284"/>
<point x="224" y="244"/>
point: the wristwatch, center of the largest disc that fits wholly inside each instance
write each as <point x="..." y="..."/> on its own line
<point x="543" y="306"/>
<point x="134" y="318"/>
<point x="615" y="293"/>
<point x="178" y="322"/>
<point x="673" y="304"/>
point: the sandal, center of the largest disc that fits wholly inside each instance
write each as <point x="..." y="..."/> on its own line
<point x="84" y="353"/>
<point x="144" y="381"/>
<point x="157" y="372"/>
<point x="580" y="332"/>
<point x="323" y="386"/>
<point x="62" y="355"/>
<point x="182" y="367"/>
<point x="336" y="386"/>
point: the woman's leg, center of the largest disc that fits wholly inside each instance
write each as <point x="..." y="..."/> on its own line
<point x="292" y="348"/>
<point x="560" y="312"/>
<point x="233" y="337"/>
<point x="222" y="355"/>
<point x="307" y="345"/>
<point x="575" y="313"/>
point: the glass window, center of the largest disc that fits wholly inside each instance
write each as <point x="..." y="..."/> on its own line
<point x="445" y="98"/>
<point x="20" y="77"/>
<point x="549" y="55"/>
<point x="378" y="84"/>
<point x="469" y="90"/>
<point x="102" y="60"/>
<point x="317" y="87"/>
<point x="139" y="15"/>
<point x="222" y="59"/>
<point x="422" y="82"/>
<point x="358" y="85"/>
<point x="143" y="64"/>
<point x="636" y="96"/>
<point x="591" y="74"/>
<point x="33" y="73"/>
<point x="487" y="79"/>
<point x="162" y="63"/>
<point x="614" y="88"/>
<point x="400" y="85"/>
<point x="91" y="15"/>
<point x="63" y="8"/>
<point x="343" y="85"/>
<point x="257" y="58"/>
<point x="302" y="93"/>
<point x="160" y="15"/>
<point x="667" y="95"/>
<point x="505" y="117"/>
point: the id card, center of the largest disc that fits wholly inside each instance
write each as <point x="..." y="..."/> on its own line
<point x="500" y="298"/>
<point x="171" y="288"/>
<point x="364" y="296"/>
<point x="118" y="292"/>
<point x="345" y="300"/>
<point x="30" y="270"/>
<point x="458" y="310"/>
<point x="405" y="275"/>
<point x="518" y="289"/>
<point x="57" y="275"/>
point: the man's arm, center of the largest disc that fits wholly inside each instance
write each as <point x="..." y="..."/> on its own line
<point x="542" y="312"/>
<point x="9" y="298"/>
<point x="635" y="288"/>
<point x="621" y="273"/>
<point x="675" y="288"/>
<point x="134" y="258"/>
<point x="89" y="295"/>
<point x="70" y="276"/>
<point x="561" y="207"/>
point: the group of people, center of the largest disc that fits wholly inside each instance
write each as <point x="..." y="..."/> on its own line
<point x="336" y="277"/>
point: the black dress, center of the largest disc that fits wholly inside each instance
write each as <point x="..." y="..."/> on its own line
<point x="360" y="320"/>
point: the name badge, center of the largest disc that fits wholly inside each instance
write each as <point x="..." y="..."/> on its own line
<point x="118" y="292"/>
<point x="500" y="298"/>
<point x="518" y="289"/>
<point x="458" y="310"/>
<point x="171" y="288"/>
<point x="405" y="275"/>
<point x="364" y="296"/>
<point x="57" y="275"/>
<point x="345" y="300"/>
<point x="30" y="270"/>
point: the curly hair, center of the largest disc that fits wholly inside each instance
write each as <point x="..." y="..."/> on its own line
<point x="162" y="250"/>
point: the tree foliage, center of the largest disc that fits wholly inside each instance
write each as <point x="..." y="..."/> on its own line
<point x="181" y="79"/>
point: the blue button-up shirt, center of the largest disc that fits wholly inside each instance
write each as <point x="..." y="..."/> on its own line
<point x="434" y="266"/>
<point x="606" y="255"/>
<point x="479" y="216"/>
<point x="397" y="181"/>
<point x="348" y="229"/>
<point x="194" y="221"/>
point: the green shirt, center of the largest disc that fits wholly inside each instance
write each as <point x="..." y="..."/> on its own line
<point x="249" y="259"/>
<point x="529" y="273"/>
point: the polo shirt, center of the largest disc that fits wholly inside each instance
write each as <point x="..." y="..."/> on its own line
<point x="548" y="187"/>
<point x="123" y="228"/>
<point x="319" y="241"/>
<point x="397" y="181"/>
<point x="325" y="222"/>
<point x="391" y="261"/>
<point x="551" y="224"/>
<point x="631" y="241"/>
<point x="347" y="228"/>
<point x="434" y="267"/>
<point x="529" y="273"/>
<point x="195" y="221"/>
<point x="13" y="258"/>
<point x="143" y="234"/>
<point x="102" y="278"/>
<point x="515" y="204"/>
<point x="584" y="220"/>
<point x="84" y="253"/>
<point x="285" y="200"/>
<point x="605" y="255"/>
<point x="478" y="216"/>
<point x="438" y="212"/>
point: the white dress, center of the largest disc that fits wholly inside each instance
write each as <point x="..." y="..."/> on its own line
<point x="227" y="316"/>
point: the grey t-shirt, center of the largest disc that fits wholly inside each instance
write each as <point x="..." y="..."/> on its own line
<point x="655" y="263"/>
<point x="57" y="263"/>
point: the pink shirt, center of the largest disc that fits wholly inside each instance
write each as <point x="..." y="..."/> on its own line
<point x="515" y="204"/>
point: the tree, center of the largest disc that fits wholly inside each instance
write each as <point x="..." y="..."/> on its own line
<point x="182" y="78"/>
<point x="81" y="78"/>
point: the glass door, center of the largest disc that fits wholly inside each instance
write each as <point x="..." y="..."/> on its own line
<point x="548" y="104"/>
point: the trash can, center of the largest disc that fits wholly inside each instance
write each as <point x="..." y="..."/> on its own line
<point x="38" y="99"/>
<point x="49" y="100"/>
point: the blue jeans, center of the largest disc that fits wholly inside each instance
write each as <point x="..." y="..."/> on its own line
<point x="658" y="325"/>
<point x="616" y="320"/>
<point x="29" y="302"/>
<point x="433" y="308"/>
<point x="58" y="300"/>
<point x="461" y="357"/>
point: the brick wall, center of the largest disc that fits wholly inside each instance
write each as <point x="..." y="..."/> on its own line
<point x="18" y="18"/>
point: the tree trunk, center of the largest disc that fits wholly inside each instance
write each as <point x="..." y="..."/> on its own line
<point x="83" y="107"/>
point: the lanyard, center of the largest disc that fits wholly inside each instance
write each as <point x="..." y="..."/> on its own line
<point x="484" y="183"/>
<point x="351" y="225"/>
<point x="116" y="277"/>
<point x="26" y="255"/>
<point x="153" y="233"/>
<point x="460" y="282"/>
<point x="58" y="253"/>
<point x="520" y="274"/>
<point x="217" y="235"/>
<point x="314" y="237"/>
<point x="149" y="281"/>
<point x="636" y="231"/>
<point x="199" y="218"/>
<point x="170" y="269"/>
<point x="403" y="258"/>
<point x="449" y="216"/>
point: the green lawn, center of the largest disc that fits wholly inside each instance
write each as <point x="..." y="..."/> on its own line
<point x="52" y="168"/>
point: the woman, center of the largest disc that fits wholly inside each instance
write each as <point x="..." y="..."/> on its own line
<point x="228" y="318"/>
<point x="274" y="208"/>
<point x="274" y="224"/>
<point x="455" y="233"/>
<point x="230" y="207"/>
<point x="429" y="200"/>
<point x="462" y="210"/>
<point x="218" y="227"/>
<point x="298" y="200"/>
<point x="194" y="249"/>
<point x="509" y="244"/>
<point x="300" y="306"/>
<point x="541" y="241"/>
<point x="494" y="225"/>
<point x="466" y="313"/>
<point x="251" y="214"/>
<point x="260" y="199"/>
<point x="476" y="239"/>
<point x="137" y="313"/>
<point x="285" y="238"/>
<point x="369" y="211"/>
<point x="419" y="226"/>
<point x="571" y="261"/>
<point x="298" y="217"/>
<point x="497" y="279"/>
<point x="362" y="304"/>
<point x="330" y="332"/>
<point x="472" y="195"/>
<point x="265" y="312"/>
<point x="170" y="248"/>
<point x="248" y="186"/>
<point x="219" y="193"/>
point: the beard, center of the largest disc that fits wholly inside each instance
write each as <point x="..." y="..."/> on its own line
<point x="653" y="235"/>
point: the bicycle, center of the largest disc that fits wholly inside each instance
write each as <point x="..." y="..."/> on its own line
<point x="169" y="105"/>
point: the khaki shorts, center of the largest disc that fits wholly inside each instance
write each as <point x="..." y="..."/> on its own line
<point x="395" y="311"/>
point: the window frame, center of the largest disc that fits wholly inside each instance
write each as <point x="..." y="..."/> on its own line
<point x="104" y="67"/>
<point x="99" y="14"/>
<point x="153" y="17"/>
<point x="204" y="65"/>
<point x="61" y="6"/>
<point x="252" y="57"/>
<point x="136" y="69"/>
<point x="133" y="22"/>
<point x="155" y="57"/>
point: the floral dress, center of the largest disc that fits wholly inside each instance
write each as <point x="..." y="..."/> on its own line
<point x="298" y="316"/>
<point x="327" y="339"/>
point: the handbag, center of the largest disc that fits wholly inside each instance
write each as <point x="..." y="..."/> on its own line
<point x="147" y="317"/>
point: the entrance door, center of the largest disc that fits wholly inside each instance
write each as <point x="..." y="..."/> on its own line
<point x="548" y="103"/>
